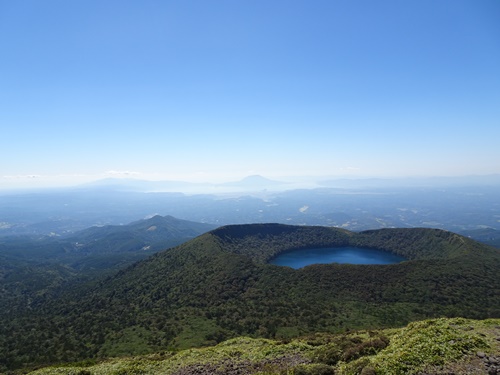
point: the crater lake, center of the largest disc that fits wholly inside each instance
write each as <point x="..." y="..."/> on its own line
<point x="350" y="255"/>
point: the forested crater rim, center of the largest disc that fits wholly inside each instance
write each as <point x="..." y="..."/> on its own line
<point x="263" y="242"/>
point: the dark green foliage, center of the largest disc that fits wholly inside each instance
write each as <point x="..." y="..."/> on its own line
<point x="219" y="286"/>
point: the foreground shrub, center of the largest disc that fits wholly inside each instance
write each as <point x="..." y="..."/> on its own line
<point x="314" y="369"/>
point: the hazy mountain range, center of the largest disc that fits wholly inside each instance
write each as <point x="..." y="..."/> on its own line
<point x="256" y="183"/>
<point x="469" y="206"/>
<point x="248" y="184"/>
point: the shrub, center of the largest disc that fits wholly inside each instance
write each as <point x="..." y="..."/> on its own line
<point x="313" y="369"/>
<point x="373" y="346"/>
<point x="368" y="370"/>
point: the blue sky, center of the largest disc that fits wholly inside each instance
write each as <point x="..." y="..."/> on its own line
<point x="216" y="90"/>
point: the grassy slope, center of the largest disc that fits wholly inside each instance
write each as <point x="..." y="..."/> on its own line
<point x="435" y="346"/>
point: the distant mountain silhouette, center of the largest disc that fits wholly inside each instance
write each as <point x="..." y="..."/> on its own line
<point x="129" y="184"/>
<point x="254" y="181"/>
<point x="397" y="182"/>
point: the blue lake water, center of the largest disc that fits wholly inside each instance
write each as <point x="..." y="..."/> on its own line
<point x="351" y="255"/>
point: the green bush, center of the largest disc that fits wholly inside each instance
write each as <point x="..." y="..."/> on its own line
<point x="329" y="354"/>
<point x="313" y="369"/>
<point x="373" y="346"/>
<point x="368" y="370"/>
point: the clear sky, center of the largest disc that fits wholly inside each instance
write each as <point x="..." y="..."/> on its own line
<point x="214" y="90"/>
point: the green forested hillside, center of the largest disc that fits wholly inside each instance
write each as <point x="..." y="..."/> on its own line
<point x="153" y="234"/>
<point x="102" y="247"/>
<point x="34" y="269"/>
<point x="219" y="286"/>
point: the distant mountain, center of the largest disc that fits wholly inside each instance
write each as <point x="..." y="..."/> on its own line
<point x="117" y="245"/>
<point x="135" y="185"/>
<point x="249" y="183"/>
<point x="255" y="182"/>
<point x="487" y="236"/>
<point x="220" y="285"/>
<point x="434" y="182"/>
<point x="137" y="240"/>
<point x="153" y="234"/>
